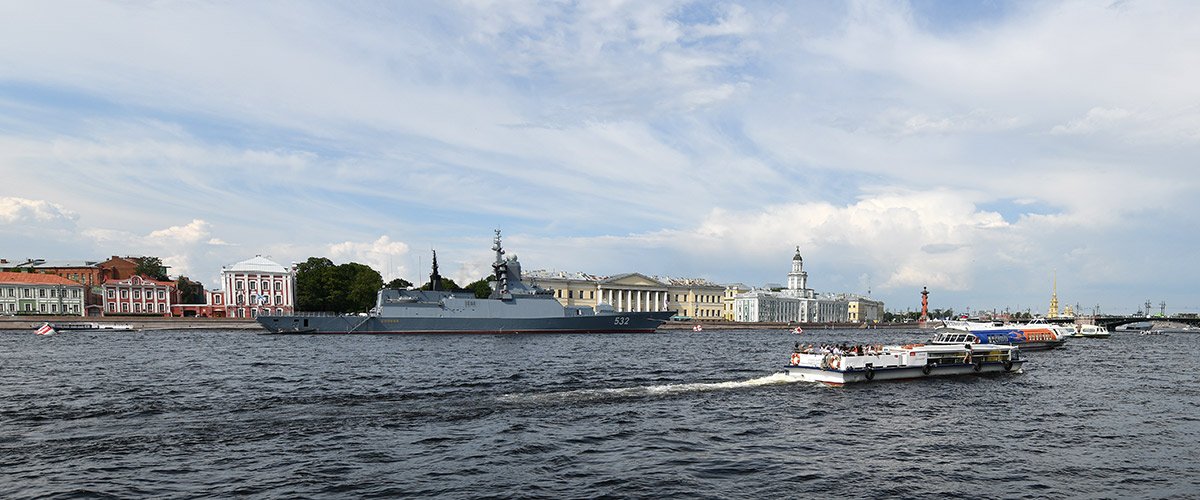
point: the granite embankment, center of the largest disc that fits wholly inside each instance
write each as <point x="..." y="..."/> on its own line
<point x="138" y="322"/>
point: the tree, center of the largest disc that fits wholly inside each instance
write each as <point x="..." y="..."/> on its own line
<point x="398" y="284"/>
<point x="322" y="286"/>
<point x="482" y="288"/>
<point x="313" y="282"/>
<point x="151" y="267"/>
<point x="190" y="292"/>
<point x="447" y="285"/>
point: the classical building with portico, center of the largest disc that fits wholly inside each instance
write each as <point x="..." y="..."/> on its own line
<point x="689" y="297"/>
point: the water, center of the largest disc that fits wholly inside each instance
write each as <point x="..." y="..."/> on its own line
<point x="685" y="415"/>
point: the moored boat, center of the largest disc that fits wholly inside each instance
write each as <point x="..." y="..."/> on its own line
<point x="512" y="307"/>
<point x="836" y="366"/>
<point x="1093" y="331"/>
<point x="92" y="326"/>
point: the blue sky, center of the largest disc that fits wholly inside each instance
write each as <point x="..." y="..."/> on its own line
<point x="976" y="148"/>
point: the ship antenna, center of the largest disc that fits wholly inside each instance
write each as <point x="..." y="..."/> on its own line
<point x="435" y="280"/>
<point x="499" y="267"/>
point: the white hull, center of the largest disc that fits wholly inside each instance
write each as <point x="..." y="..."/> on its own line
<point x="841" y="377"/>
<point x="836" y="366"/>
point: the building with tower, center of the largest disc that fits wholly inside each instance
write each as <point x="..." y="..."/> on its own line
<point x="796" y="303"/>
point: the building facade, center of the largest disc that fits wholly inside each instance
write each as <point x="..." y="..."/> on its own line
<point x="138" y="295"/>
<point x="258" y="286"/>
<point x="864" y="309"/>
<point x="804" y="305"/>
<point x="36" y="293"/>
<point x="765" y="307"/>
<point x="727" y="300"/>
<point x="690" y="298"/>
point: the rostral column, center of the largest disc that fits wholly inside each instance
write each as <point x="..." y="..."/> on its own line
<point x="924" y="307"/>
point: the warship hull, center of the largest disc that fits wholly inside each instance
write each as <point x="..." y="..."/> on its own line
<point x="633" y="322"/>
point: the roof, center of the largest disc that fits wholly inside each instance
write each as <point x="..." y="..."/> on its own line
<point x="35" y="279"/>
<point x="142" y="279"/>
<point x="258" y="264"/>
<point x="49" y="264"/>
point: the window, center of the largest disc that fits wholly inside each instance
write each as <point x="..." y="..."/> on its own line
<point x="137" y="307"/>
<point x="252" y="283"/>
<point x="112" y="306"/>
<point x="279" y="300"/>
<point x="124" y="293"/>
<point x="53" y="293"/>
<point x="137" y="294"/>
<point x="162" y="308"/>
<point x="279" y="311"/>
<point x="570" y="294"/>
<point x="42" y="293"/>
<point x="54" y="308"/>
<point x="112" y="294"/>
<point x="12" y="292"/>
<point x="278" y="286"/>
<point x="266" y="285"/>
<point x="254" y="313"/>
<point x="237" y="285"/>
<point x="125" y="307"/>
<point x="217" y="299"/>
<point x="27" y="292"/>
<point x="42" y="307"/>
<point x="161" y="295"/>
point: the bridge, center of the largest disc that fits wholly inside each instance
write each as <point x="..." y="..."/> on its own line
<point x="1111" y="322"/>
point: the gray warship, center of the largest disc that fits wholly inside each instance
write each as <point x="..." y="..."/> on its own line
<point x="512" y="307"/>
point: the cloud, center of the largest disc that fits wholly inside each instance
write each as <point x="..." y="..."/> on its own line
<point x="23" y="211"/>
<point x="383" y="255"/>
<point x="1097" y="119"/>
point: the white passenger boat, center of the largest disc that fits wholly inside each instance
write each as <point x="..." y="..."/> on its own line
<point x="838" y="367"/>
<point x="1093" y="331"/>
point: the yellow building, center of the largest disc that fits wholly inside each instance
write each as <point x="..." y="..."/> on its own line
<point x="688" y="297"/>
<point x="731" y="292"/>
<point x="864" y="310"/>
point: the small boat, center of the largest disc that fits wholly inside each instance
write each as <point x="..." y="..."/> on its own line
<point x="797" y="330"/>
<point x="835" y="367"/>
<point x="1153" y="332"/>
<point x="1092" y="331"/>
<point x="697" y="328"/>
<point x="46" y="330"/>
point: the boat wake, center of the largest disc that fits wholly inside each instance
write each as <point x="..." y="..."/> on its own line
<point x="645" y="391"/>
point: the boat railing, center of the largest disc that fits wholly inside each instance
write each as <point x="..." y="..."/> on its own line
<point x="314" y="314"/>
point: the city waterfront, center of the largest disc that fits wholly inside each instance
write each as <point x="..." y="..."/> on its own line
<point x="675" y="414"/>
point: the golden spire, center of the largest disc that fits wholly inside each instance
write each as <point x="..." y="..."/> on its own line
<point x="1053" y="312"/>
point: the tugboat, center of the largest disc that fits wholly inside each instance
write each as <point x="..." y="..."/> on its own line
<point x="512" y="307"/>
<point x="838" y="366"/>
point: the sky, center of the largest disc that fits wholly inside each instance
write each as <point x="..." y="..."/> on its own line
<point x="990" y="151"/>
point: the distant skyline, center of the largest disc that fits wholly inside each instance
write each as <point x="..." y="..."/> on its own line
<point x="976" y="148"/>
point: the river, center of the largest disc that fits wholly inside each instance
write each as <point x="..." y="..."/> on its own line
<point x="681" y="414"/>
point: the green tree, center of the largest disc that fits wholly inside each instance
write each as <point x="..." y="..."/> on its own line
<point x="448" y="285"/>
<point x="152" y="267"/>
<point x="360" y="284"/>
<point x="190" y="292"/>
<point x="314" y="282"/>
<point x="323" y="286"/>
<point x="482" y="288"/>
<point x="398" y="284"/>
